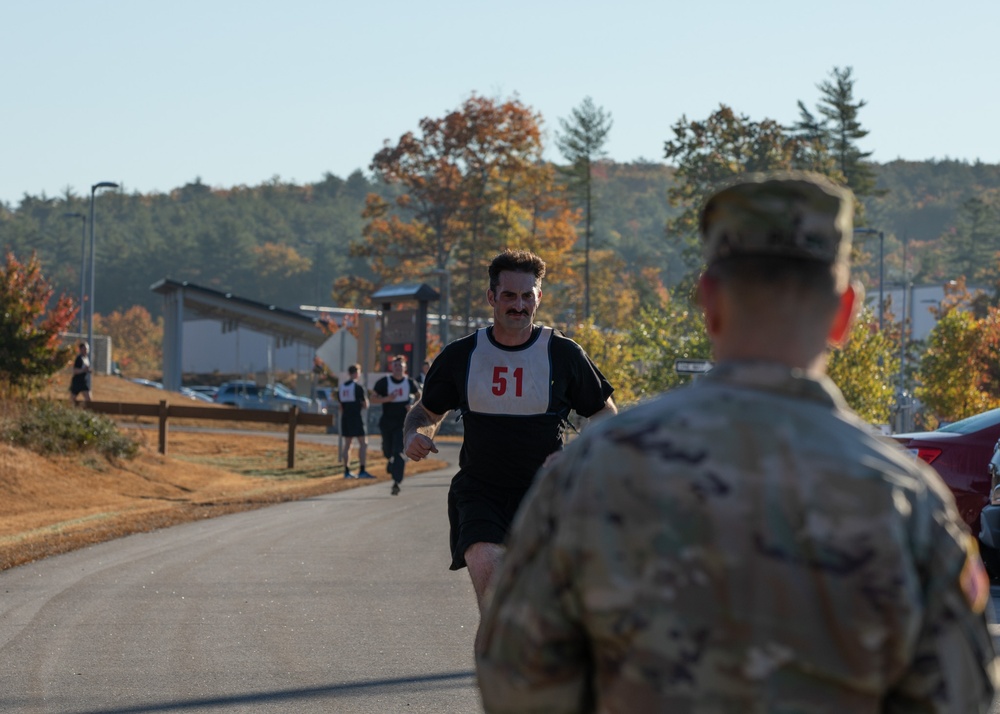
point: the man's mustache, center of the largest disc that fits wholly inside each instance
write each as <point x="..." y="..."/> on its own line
<point x="518" y="312"/>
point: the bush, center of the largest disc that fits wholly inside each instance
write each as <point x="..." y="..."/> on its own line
<point x="50" y="428"/>
<point x="30" y="327"/>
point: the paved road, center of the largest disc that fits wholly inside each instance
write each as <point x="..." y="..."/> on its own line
<point x="341" y="603"/>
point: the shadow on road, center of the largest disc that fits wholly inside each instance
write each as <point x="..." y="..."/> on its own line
<point x="447" y="680"/>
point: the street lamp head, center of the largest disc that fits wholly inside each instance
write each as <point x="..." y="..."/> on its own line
<point x="103" y="184"/>
<point x="866" y="231"/>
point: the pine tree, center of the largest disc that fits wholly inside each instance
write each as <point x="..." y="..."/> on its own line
<point x="813" y="141"/>
<point x="843" y="130"/>
<point x="581" y="143"/>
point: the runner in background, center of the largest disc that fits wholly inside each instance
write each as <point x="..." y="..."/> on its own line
<point x="395" y="392"/>
<point x="353" y="400"/>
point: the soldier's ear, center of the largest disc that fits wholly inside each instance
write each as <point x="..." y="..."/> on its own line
<point x="491" y="297"/>
<point x="847" y="311"/>
<point x="708" y="298"/>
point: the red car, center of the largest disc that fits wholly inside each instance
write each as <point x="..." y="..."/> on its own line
<point x="961" y="453"/>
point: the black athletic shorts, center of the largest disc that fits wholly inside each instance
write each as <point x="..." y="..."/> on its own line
<point x="479" y="513"/>
<point x="352" y="425"/>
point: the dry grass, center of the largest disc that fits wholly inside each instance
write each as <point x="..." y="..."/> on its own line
<point x="54" y="505"/>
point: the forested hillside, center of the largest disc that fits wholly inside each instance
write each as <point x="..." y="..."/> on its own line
<point x="279" y="243"/>
<point x="286" y="244"/>
<point x="946" y="213"/>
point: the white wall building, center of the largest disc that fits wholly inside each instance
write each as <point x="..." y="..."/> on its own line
<point x="920" y="300"/>
<point x="208" y="347"/>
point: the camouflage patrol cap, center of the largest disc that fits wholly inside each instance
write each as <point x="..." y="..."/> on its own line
<point x="787" y="213"/>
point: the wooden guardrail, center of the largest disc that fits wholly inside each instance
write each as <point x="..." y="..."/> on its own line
<point x="164" y="411"/>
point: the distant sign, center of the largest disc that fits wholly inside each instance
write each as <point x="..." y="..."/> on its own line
<point x="692" y="366"/>
<point x="399" y="326"/>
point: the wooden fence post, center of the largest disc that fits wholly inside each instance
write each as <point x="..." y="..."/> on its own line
<point x="293" y="418"/>
<point x="163" y="426"/>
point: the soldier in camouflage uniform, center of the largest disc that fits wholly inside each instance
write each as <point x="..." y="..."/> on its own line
<point x="745" y="544"/>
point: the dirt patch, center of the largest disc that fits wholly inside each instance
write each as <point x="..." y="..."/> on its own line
<point x="54" y="505"/>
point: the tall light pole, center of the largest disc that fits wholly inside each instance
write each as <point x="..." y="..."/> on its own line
<point x="83" y="260"/>
<point x="881" y="269"/>
<point x="316" y="245"/>
<point x="90" y="320"/>
<point x="903" y="402"/>
<point x="444" y="306"/>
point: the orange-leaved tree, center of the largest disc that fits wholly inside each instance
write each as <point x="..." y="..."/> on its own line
<point x="469" y="183"/>
<point x="30" y="327"/>
<point x="136" y="340"/>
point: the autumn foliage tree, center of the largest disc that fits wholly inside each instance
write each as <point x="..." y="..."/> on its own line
<point x="958" y="372"/>
<point x="718" y="149"/>
<point x="352" y="290"/>
<point x="613" y="353"/>
<point x="470" y="183"/>
<point x="864" y="368"/>
<point x="136" y="339"/>
<point x="30" y="347"/>
<point x="638" y="357"/>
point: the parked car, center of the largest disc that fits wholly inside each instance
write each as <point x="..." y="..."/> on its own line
<point x="195" y="394"/>
<point x="961" y="453"/>
<point x="248" y="395"/>
<point x="145" y="382"/>
<point x="278" y="396"/>
<point x="237" y="393"/>
<point x="205" y="389"/>
<point x="326" y="399"/>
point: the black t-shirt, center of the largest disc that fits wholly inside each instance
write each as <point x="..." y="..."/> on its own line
<point x="400" y="392"/>
<point x="81" y="381"/>
<point x="506" y="449"/>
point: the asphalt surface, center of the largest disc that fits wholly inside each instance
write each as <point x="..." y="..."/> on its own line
<point x="340" y="603"/>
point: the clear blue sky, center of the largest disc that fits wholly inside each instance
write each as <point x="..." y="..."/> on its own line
<point x="155" y="94"/>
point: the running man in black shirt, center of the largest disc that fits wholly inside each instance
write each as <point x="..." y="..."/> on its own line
<point x="515" y="383"/>
<point x="395" y="393"/>
<point x="353" y="399"/>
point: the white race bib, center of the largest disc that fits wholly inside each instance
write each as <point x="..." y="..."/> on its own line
<point x="510" y="382"/>
<point x="398" y="392"/>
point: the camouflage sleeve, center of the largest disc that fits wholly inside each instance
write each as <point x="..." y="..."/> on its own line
<point x="954" y="667"/>
<point x="531" y="654"/>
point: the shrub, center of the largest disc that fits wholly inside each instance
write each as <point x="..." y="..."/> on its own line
<point x="51" y="428"/>
<point x="30" y="327"/>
